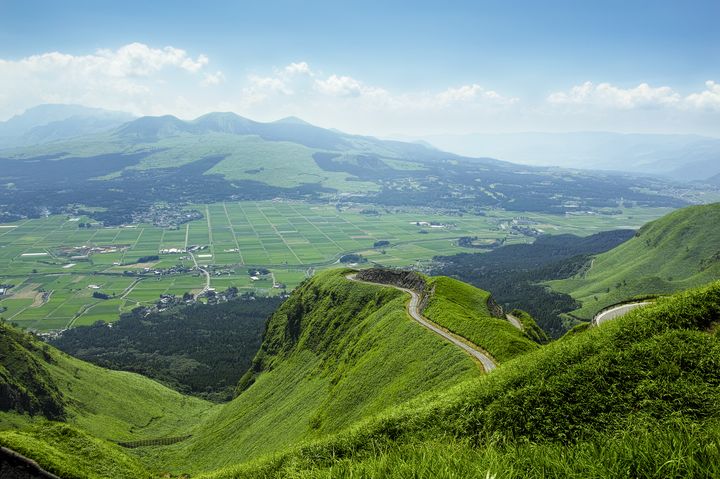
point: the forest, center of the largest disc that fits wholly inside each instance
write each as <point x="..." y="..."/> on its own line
<point x="198" y="349"/>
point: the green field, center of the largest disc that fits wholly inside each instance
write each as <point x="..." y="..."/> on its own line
<point x="54" y="278"/>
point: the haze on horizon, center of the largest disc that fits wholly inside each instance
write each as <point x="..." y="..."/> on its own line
<point x="412" y="69"/>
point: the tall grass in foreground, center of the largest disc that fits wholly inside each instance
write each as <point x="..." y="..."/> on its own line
<point x="671" y="450"/>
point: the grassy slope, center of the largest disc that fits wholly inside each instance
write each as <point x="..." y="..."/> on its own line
<point x="99" y="405"/>
<point x="335" y="353"/>
<point x="283" y="164"/>
<point x="678" y="251"/>
<point x="463" y="310"/>
<point x="531" y="328"/>
<point x="637" y="397"/>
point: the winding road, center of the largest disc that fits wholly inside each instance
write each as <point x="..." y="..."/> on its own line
<point x="414" y="312"/>
<point x="207" y="275"/>
<point x="617" y="311"/>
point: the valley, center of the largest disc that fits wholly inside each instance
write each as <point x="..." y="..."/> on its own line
<point x="288" y="239"/>
<point x="359" y="240"/>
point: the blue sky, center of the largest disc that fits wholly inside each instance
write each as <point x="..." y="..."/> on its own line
<point x="509" y="59"/>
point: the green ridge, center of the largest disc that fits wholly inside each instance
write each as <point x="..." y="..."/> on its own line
<point x="635" y="398"/>
<point x="678" y="251"/>
<point x="463" y="310"/>
<point x="335" y="353"/>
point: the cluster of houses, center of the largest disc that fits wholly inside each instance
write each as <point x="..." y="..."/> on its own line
<point x="169" y="216"/>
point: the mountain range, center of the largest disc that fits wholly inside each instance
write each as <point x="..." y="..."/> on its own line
<point x="53" y="122"/>
<point x="685" y="157"/>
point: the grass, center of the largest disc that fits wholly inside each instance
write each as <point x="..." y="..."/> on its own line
<point x="73" y="454"/>
<point x="112" y="405"/>
<point x="354" y="354"/>
<point x="530" y="327"/>
<point x="463" y="310"/>
<point x="346" y="385"/>
<point x="635" y="398"/>
<point x="671" y="450"/>
<point x="676" y="252"/>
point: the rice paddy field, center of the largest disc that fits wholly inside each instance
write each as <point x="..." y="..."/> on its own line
<point x="55" y="265"/>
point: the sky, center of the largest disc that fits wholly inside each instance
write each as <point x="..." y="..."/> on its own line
<point x="383" y="68"/>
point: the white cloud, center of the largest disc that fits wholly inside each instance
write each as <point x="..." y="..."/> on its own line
<point x="210" y="79"/>
<point x="643" y="96"/>
<point x="609" y="96"/>
<point x="299" y="68"/>
<point x="706" y="100"/>
<point x="134" y="77"/>
<point x="151" y="81"/>
<point x="472" y="93"/>
<point x="345" y="86"/>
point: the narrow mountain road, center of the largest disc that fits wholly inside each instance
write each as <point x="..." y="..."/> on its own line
<point x="617" y="311"/>
<point x="514" y="321"/>
<point x="207" y="275"/>
<point x="414" y="312"/>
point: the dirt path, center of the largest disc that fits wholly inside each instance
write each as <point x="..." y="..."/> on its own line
<point x="414" y="312"/>
<point x="617" y="311"/>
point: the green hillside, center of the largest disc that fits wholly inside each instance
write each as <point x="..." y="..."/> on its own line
<point x="464" y="310"/>
<point x="678" y="251"/>
<point x="97" y="404"/>
<point x="635" y="398"/>
<point x="346" y="384"/>
<point x="335" y="353"/>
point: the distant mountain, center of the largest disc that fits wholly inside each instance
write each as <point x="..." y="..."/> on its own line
<point x="685" y="157"/>
<point x="289" y="129"/>
<point x="46" y="123"/>
<point x="223" y="155"/>
<point x="678" y="251"/>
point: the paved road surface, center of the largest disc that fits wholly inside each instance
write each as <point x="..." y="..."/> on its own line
<point x="616" y="312"/>
<point x="487" y="363"/>
<point x="207" y="275"/>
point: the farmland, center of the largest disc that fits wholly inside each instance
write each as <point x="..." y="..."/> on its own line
<point x="56" y="265"/>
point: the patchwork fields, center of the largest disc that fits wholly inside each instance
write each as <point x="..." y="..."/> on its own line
<point x="56" y="264"/>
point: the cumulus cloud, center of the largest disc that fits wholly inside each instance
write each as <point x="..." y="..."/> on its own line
<point x="708" y="99"/>
<point x="643" y="96"/>
<point x="299" y="68"/>
<point x="129" y="78"/>
<point x="210" y="79"/>
<point x="607" y="95"/>
<point x="147" y="80"/>
<point x="345" y="86"/>
<point x="472" y="93"/>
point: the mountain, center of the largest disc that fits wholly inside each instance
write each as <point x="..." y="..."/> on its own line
<point x="290" y="130"/>
<point x="686" y="157"/>
<point x="678" y="251"/>
<point x="223" y="156"/>
<point x="345" y="384"/>
<point x="336" y="352"/>
<point x="53" y="122"/>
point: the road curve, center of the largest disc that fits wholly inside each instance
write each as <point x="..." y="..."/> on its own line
<point x="205" y="272"/>
<point x="617" y="311"/>
<point x="414" y="312"/>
